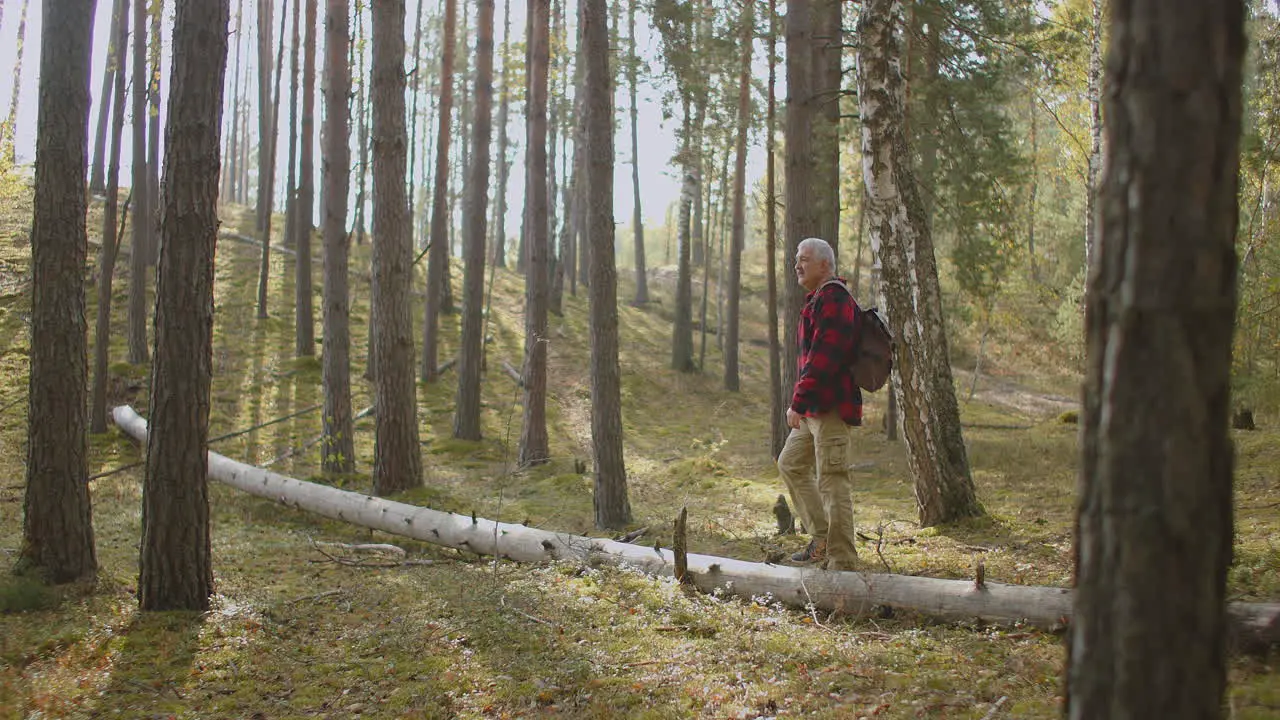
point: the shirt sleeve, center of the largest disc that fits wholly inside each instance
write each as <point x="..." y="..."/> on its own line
<point x="835" y="328"/>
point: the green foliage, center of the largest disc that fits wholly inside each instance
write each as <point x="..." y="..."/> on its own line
<point x="20" y="593"/>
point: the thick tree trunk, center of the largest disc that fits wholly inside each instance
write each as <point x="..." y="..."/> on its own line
<point x="799" y="220"/>
<point x="936" y="452"/>
<point x="613" y="509"/>
<point x="57" y="528"/>
<point x="97" y="177"/>
<point x="137" y="316"/>
<point x="112" y="234"/>
<point x="466" y="419"/>
<point x="397" y="456"/>
<point x="176" y="570"/>
<point x="827" y="49"/>
<point x="733" y="285"/>
<point x="534" y="445"/>
<point x="337" y="450"/>
<point x="304" y="313"/>
<point x="438" y="255"/>
<point x="1253" y="625"/>
<point x="1155" y="511"/>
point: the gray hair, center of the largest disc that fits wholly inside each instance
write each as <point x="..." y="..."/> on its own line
<point x="819" y="249"/>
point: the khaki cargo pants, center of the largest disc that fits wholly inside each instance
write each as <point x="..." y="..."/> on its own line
<point x="814" y="464"/>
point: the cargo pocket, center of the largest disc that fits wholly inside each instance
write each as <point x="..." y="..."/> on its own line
<point x="833" y="454"/>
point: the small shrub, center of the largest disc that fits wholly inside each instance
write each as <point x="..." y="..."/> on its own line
<point x="24" y="594"/>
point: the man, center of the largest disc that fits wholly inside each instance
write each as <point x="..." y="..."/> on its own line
<point x="824" y="403"/>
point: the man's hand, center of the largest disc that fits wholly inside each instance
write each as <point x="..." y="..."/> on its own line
<point x="793" y="419"/>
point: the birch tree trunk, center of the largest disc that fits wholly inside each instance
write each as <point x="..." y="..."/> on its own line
<point x="57" y="525"/>
<point x="337" y="451"/>
<point x="534" y="446"/>
<point x="896" y="217"/>
<point x="1094" y="92"/>
<point x="1154" y="538"/>
<point x="466" y="419"/>
<point x="176" y="569"/>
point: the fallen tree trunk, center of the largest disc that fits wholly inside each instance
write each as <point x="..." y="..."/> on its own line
<point x="1254" y="625"/>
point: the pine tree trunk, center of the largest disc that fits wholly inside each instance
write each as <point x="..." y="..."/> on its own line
<point x="138" y="350"/>
<point x="637" y="217"/>
<point x="9" y="130"/>
<point x="733" y="284"/>
<point x="438" y="255"/>
<point x="534" y="445"/>
<point x="112" y="233"/>
<point x="612" y="508"/>
<point x="415" y="93"/>
<point x="153" y="132"/>
<point x="266" y="150"/>
<point x="176" y="571"/>
<point x="97" y="177"/>
<point x="338" y="447"/>
<point x="291" y="180"/>
<point x="397" y="457"/>
<point x="777" y="412"/>
<point x="57" y="528"/>
<point x="800" y="177"/>
<point x="466" y="419"/>
<point x="1154" y="533"/>
<point x="304" y="313"/>
<point x="935" y="447"/>
<point x="827" y="47"/>
<point x="231" y="163"/>
<point x="504" y="163"/>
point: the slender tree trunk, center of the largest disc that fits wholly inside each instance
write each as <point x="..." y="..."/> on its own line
<point x="534" y="445"/>
<point x="1094" y="91"/>
<point x="304" y="313"/>
<point x="57" y="527"/>
<point x="935" y="446"/>
<point x="504" y="163"/>
<point x="291" y="180"/>
<point x="438" y="255"/>
<point x="97" y="178"/>
<point x="153" y="132"/>
<point x="612" y="508"/>
<point x="1154" y="534"/>
<point x="231" y="176"/>
<point x="827" y="48"/>
<point x="397" y="456"/>
<point x="9" y="130"/>
<point x="362" y="124"/>
<point x="777" y="425"/>
<point x="266" y="150"/>
<point x="138" y="351"/>
<point x="733" y="284"/>
<point x="637" y="217"/>
<point x="176" y="570"/>
<point x="338" y="448"/>
<point x="417" y="75"/>
<point x="466" y="419"/>
<point x="112" y="232"/>
<point x="682" y="328"/>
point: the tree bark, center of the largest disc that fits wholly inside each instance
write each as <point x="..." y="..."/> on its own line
<point x="112" y="232"/>
<point x="415" y="93"/>
<point x="733" y="285"/>
<point x="9" y="130"/>
<point x="534" y="445"/>
<point x="799" y="220"/>
<point x="896" y="217"/>
<point x="304" y="313"/>
<point x="1094" y="92"/>
<point x="612" y="508"/>
<point x="97" y="177"/>
<point x="291" y="190"/>
<point x="504" y="163"/>
<point x="637" y="216"/>
<point x="153" y="132"/>
<point x="57" y="528"/>
<point x="397" y="457"/>
<point x="438" y="255"/>
<point x="338" y="446"/>
<point x="466" y="419"/>
<point x="362" y="125"/>
<point x="1154" y="537"/>
<point x="777" y="424"/>
<point x="137" y="316"/>
<point x="230" y="180"/>
<point x="266" y="150"/>
<point x="176" y="570"/>
<point x="1253" y="625"/>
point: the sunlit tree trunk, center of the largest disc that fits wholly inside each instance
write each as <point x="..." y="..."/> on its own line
<point x="397" y="457"/>
<point x="141" y="245"/>
<point x="682" y="328"/>
<point x="1154" y="533"/>
<point x="733" y="283"/>
<point x="267" y="115"/>
<point x="1094" y="93"/>
<point x="612" y="508"/>
<point x="534" y="445"/>
<point x="57" y="526"/>
<point x="304" y="313"/>
<point x="9" y="129"/>
<point x="176" y="569"/>
<point x="438" y="255"/>
<point x="338" y="447"/>
<point x="112" y="232"/>
<point x="362" y="124"/>
<point x="466" y="419"/>
<point x="97" y="177"/>
<point x="896" y="217"/>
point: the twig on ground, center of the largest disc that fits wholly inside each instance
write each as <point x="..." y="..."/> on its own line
<point x="317" y="596"/>
<point x="633" y="535"/>
<point x="368" y="548"/>
<point x="113" y="471"/>
<point x="502" y="601"/>
<point x="995" y="709"/>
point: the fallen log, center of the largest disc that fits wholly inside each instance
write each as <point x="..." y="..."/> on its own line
<point x="1253" y="625"/>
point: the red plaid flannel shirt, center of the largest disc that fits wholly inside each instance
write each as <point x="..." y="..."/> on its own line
<point x="826" y="333"/>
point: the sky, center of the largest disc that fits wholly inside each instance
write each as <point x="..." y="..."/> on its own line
<point x="659" y="183"/>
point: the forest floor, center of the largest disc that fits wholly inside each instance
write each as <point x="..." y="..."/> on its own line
<point x="300" y="630"/>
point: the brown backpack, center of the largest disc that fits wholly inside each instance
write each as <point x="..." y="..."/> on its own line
<point x="873" y="351"/>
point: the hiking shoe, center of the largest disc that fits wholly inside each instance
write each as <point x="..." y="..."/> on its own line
<point x="816" y="551"/>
